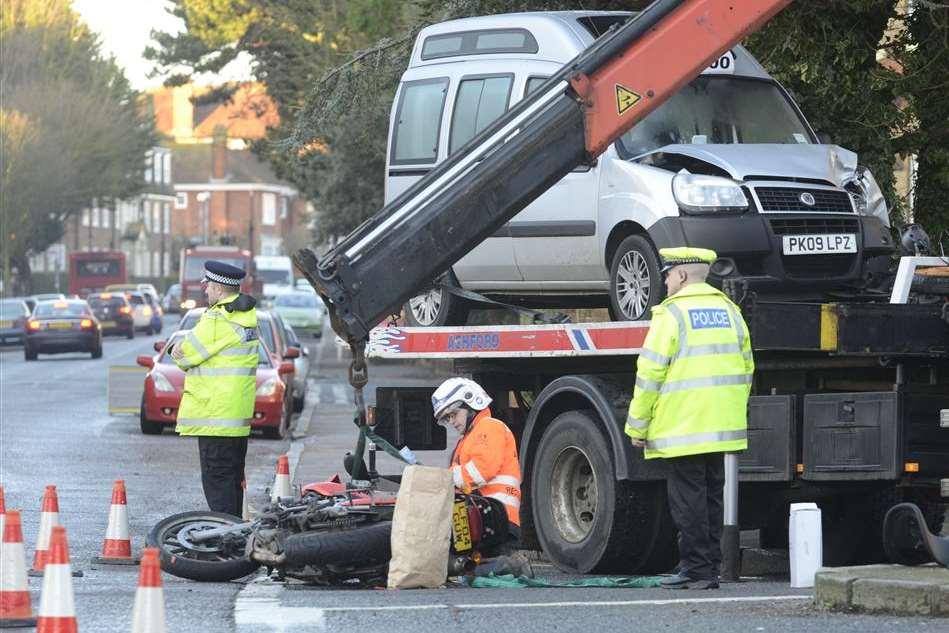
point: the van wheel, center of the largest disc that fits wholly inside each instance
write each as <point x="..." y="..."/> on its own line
<point x="586" y="520"/>
<point x="437" y="307"/>
<point x="635" y="282"/>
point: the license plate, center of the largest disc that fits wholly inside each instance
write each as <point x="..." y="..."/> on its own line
<point x="108" y="324"/>
<point x="820" y="244"/>
<point x="60" y="325"/>
<point x="460" y="529"/>
<point x="6" y="323"/>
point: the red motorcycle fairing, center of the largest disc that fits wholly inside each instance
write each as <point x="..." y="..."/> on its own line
<point x="335" y="488"/>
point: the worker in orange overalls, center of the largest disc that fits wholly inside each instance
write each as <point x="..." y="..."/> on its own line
<point x="484" y="462"/>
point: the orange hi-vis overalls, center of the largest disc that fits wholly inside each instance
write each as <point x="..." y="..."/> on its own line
<point x="485" y="461"/>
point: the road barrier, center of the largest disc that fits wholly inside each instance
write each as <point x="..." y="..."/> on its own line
<point x="126" y="385"/>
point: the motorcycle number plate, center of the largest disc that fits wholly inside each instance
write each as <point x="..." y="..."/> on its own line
<point x="461" y="531"/>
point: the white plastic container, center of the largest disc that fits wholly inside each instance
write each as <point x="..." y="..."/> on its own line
<point x="806" y="550"/>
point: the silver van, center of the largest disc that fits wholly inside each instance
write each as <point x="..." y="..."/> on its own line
<point x="728" y="163"/>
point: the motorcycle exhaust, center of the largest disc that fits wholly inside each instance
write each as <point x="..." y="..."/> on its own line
<point x="461" y="565"/>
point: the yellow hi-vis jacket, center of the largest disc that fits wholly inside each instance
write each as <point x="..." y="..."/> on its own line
<point x="485" y="461"/>
<point x="220" y="361"/>
<point x="693" y="377"/>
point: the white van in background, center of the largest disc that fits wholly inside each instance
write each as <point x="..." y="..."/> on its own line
<point x="275" y="273"/>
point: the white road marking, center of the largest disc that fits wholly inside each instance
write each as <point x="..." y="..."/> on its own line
<point x="259" y="604"/>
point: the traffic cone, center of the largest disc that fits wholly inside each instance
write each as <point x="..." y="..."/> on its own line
<point x="245" y="507"/>
<point x="15" y="609"/>
<point x="148" y="616"/>
<point x="3" y="511"/>
<point x="281" y="485"/>
<point x="49" y="517"/>
<point x="117" y="546"/>
<point x="57" y="603"/>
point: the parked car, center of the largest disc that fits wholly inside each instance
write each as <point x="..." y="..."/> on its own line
<point x="305" y="311"/>
<point x="143" y="312"/>
<point x="171" y="302"/>
<point x="301" y="366"/>
<point x="13" y="316"/>
<point x="164" y="383"/>
<point x="114" y="313"/>
<point x="727" y="163"/>
<point x="57" y="327"/>
<point x="45" y="296"/>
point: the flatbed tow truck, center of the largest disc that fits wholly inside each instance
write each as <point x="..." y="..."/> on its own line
<point x="850" y="404"/>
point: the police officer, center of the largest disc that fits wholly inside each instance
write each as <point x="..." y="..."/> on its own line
<point x="219" y="357"/>
<point x="689" y="405"/>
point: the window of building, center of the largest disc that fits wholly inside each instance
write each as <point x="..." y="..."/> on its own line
<point x="147" y="215"/>
<point x="166" y="219"/>
<point x="157" y="166"/>
<point x="166" y="160"/>
<point x="418" y="119"/>
<point x="268" y="214"/>
<point x="148" y="167"/>
<point x="181" y="200"/>
<point x="284" y="203"/>
<point x="156" y="216"/>
<point x="105" y="218"/>
<point x="479" y="102"/>
<point x="95" y="217"/>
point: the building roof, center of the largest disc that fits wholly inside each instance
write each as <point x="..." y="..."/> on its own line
<point x="191" y="164"/>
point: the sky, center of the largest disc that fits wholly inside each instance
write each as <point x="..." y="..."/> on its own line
<point x="124" y="27"/>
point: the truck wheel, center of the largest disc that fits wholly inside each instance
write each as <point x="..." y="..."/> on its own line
<point x="635" y="282"/>
<point x="435" y="308"/>
<point x="586" y="520"/>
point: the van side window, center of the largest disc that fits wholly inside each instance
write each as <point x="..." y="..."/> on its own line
<point x="479" y="102"/>
<point x="478" y="43"/>
<point x="533" y="83"/>
<point x="418" y="119"/>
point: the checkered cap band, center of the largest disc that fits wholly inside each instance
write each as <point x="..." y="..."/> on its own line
<point x="221" y="279"/>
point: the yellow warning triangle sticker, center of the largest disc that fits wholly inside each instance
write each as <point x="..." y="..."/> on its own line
<point x="625" y="99"/>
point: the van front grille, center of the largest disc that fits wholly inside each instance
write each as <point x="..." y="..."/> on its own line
<point x="789" y="199"/>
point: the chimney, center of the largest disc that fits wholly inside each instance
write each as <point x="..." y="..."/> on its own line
<point x="219" y="153"/>
<point x="182" y="112"/>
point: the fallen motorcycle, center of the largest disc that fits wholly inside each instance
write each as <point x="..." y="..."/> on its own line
<point x="333" y="534"/>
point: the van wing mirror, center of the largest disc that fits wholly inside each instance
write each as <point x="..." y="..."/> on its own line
<point x="291" y="353"/>
<point x="145" y="361"/>
<point x="825" y="138"/>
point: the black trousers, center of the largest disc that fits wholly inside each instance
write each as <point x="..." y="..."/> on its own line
<point x="222" y="470"/>
<point x="695" y="487"/>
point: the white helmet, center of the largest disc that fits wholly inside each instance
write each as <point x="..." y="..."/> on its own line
<point x="456" y="391"/>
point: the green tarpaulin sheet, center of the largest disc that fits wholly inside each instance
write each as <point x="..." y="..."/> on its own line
<point x="519" y="582"/>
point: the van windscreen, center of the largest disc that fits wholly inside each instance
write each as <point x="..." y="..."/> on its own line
<point x="722" y="110"/>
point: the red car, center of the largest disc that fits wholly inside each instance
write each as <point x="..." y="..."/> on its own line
<point x="165" y="381"/>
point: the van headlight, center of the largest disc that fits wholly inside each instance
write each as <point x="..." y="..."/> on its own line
<point x="698" y="193"/>
<point x="867" y="196"/>
<point x="268" y="388"/>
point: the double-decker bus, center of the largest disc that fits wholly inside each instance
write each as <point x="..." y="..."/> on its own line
<point x="92" y="271"/>
<point x="192" y="271"/>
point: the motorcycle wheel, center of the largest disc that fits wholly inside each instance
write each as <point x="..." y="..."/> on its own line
<point x="360" y="545"/>
<point x="219" y="560"/>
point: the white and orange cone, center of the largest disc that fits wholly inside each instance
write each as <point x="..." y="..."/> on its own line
<point x="3" y="511"/>
<point x="148" y="616"/>
<point x="245" y="506"/>
<point x="281" y="485"/>
<point x="117" y="546"/>
<point x="15" y="609"/>
<point x="49" y="517"/>
<point x="57" y="612"/>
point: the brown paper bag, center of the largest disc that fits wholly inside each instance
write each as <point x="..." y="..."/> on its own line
<point x="421" y="528"/>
